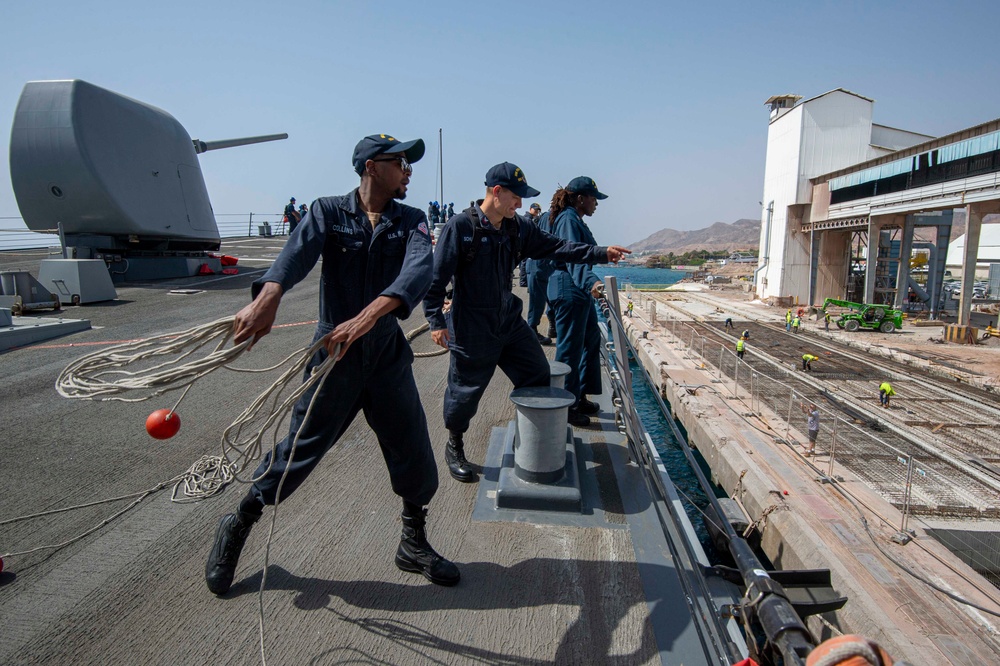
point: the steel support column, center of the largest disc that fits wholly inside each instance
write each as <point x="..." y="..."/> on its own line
<point x="814" y="241"/>
<point x="871" y="259"/>
<point x="903" y="269"/>
<point x="935" y="274"/>
<point x="973" y="226"/>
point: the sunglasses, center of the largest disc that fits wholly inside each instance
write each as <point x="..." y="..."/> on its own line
<point x="403" y="164"/>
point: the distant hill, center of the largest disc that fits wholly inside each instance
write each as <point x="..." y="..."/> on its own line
<point x="742" y="234"/>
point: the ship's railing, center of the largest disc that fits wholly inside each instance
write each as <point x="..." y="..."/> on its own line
<point x="853" y="444"/>
<point x="15" y="235"/>
<point x="687" y="552"/>
<point x="765" y="607"/>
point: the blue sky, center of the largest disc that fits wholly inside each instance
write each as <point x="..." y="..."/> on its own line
<point x="661" y="103"/>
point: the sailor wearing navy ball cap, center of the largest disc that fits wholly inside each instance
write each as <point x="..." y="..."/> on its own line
<point x="376" y="266"/>
<point x="571" y="291"/>
<point x="478" y="250"/>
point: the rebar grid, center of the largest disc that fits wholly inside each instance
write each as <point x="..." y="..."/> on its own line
<point x="881" y="459"/>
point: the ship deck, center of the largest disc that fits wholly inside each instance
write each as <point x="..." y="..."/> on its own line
<point x="133" y="592"/>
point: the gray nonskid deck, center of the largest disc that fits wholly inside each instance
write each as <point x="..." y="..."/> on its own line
<point x="134" y="591"/>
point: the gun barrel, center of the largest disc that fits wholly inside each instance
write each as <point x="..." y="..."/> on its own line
<point x="204" y="146"/>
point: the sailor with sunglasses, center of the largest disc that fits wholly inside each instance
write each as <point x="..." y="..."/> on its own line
<point x="377" y="266"/>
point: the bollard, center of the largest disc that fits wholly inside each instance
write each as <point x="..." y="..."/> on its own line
<point x="540" y="448"/>
<point x="558" y="372"/>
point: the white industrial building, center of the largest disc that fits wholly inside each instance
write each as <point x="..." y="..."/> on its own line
<point x="843" y="197"/>
<point x="805" y="140"/>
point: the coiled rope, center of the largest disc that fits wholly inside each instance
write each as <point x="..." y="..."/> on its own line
<point x="417" y="331"/>
<point x="108" y="375"/>
<point x="104" y="375"/>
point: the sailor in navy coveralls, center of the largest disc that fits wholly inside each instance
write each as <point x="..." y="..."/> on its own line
<point x="478" y="250"/>
<point x="571" y="291"/>
<point x="377" y="265"/>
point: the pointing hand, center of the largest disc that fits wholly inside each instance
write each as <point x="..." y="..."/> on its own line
<point x="616" y="253"/>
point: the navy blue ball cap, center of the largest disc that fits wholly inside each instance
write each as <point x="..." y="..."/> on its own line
<point x="384" y="144"/>
<point x="585" y="185"/>
<point x="511" y="177"/>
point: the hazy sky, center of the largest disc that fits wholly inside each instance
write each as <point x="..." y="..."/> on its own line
<point x="660" y="102"/>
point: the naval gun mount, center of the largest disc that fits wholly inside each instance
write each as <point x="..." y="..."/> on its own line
<point x="120" y="181"/>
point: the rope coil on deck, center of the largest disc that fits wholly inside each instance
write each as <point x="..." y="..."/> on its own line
<point x="105" y="375"/>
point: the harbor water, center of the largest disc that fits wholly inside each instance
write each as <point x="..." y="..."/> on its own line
<point x="655" y="422"/>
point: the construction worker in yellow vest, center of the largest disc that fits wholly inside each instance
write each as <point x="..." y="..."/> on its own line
<point x="884" y="393"/>
<point x="826" y="320"/>
<point x="807" y="360"/>
<point x="741" y="347"/>
<point x="788" y="320"/>
<point x="796" y="321"/>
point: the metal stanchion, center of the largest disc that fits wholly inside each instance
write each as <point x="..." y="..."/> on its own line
<point x="736" y="379"/>
<point x="788" y="422"/>
<point x="907" y="492"/>
<point x="833" y="446"/>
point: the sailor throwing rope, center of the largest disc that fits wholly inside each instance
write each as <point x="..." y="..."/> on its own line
<point x="377" y="265"/>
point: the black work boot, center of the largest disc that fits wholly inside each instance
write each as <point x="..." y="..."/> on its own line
<point x="416" y="555"/>
<point x="576" y="419"/>
<point x="542" y="340"/>
<point x="454" y="456"/>
<point x="232" y="533"/>
<point x="552" y="330"/>
<point x="585" y="406"/>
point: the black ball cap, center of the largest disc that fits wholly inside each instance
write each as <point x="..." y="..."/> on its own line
<point x="511" y="177"/>
<point x="585" y="185"/>
<point x="385" y="144"/>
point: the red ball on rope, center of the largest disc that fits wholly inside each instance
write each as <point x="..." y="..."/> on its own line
<point x="163" y="424"/>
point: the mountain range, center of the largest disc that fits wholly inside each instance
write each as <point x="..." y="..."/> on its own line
<point x="743" y="234"/>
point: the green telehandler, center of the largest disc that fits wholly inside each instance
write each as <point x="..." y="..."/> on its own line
<point x="864" y="315"/>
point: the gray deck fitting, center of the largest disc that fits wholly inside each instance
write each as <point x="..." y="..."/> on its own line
<point x="557" y="374"/>
<point x="25" y="331"/>
<point x="499" y="456"/>
<point x="513" y="492"/>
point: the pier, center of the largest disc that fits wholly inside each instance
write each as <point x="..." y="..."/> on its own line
<point x="858" y="507"/>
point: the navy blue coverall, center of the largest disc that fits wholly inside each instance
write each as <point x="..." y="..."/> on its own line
<point x="578" y="337"/>
<point x="485" y="323"/>
<point x="539" y="271"/>
<point x="376" y="375"/>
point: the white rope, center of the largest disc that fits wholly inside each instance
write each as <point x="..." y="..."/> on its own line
<point x="105" y="375"/>
<point x="318" y="377"/>
<point x="417" y="331"/>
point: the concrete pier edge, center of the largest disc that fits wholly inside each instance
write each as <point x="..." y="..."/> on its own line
<point x="789" y="537"/>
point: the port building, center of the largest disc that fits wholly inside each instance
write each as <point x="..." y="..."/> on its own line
<point x="845" y="198"/>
